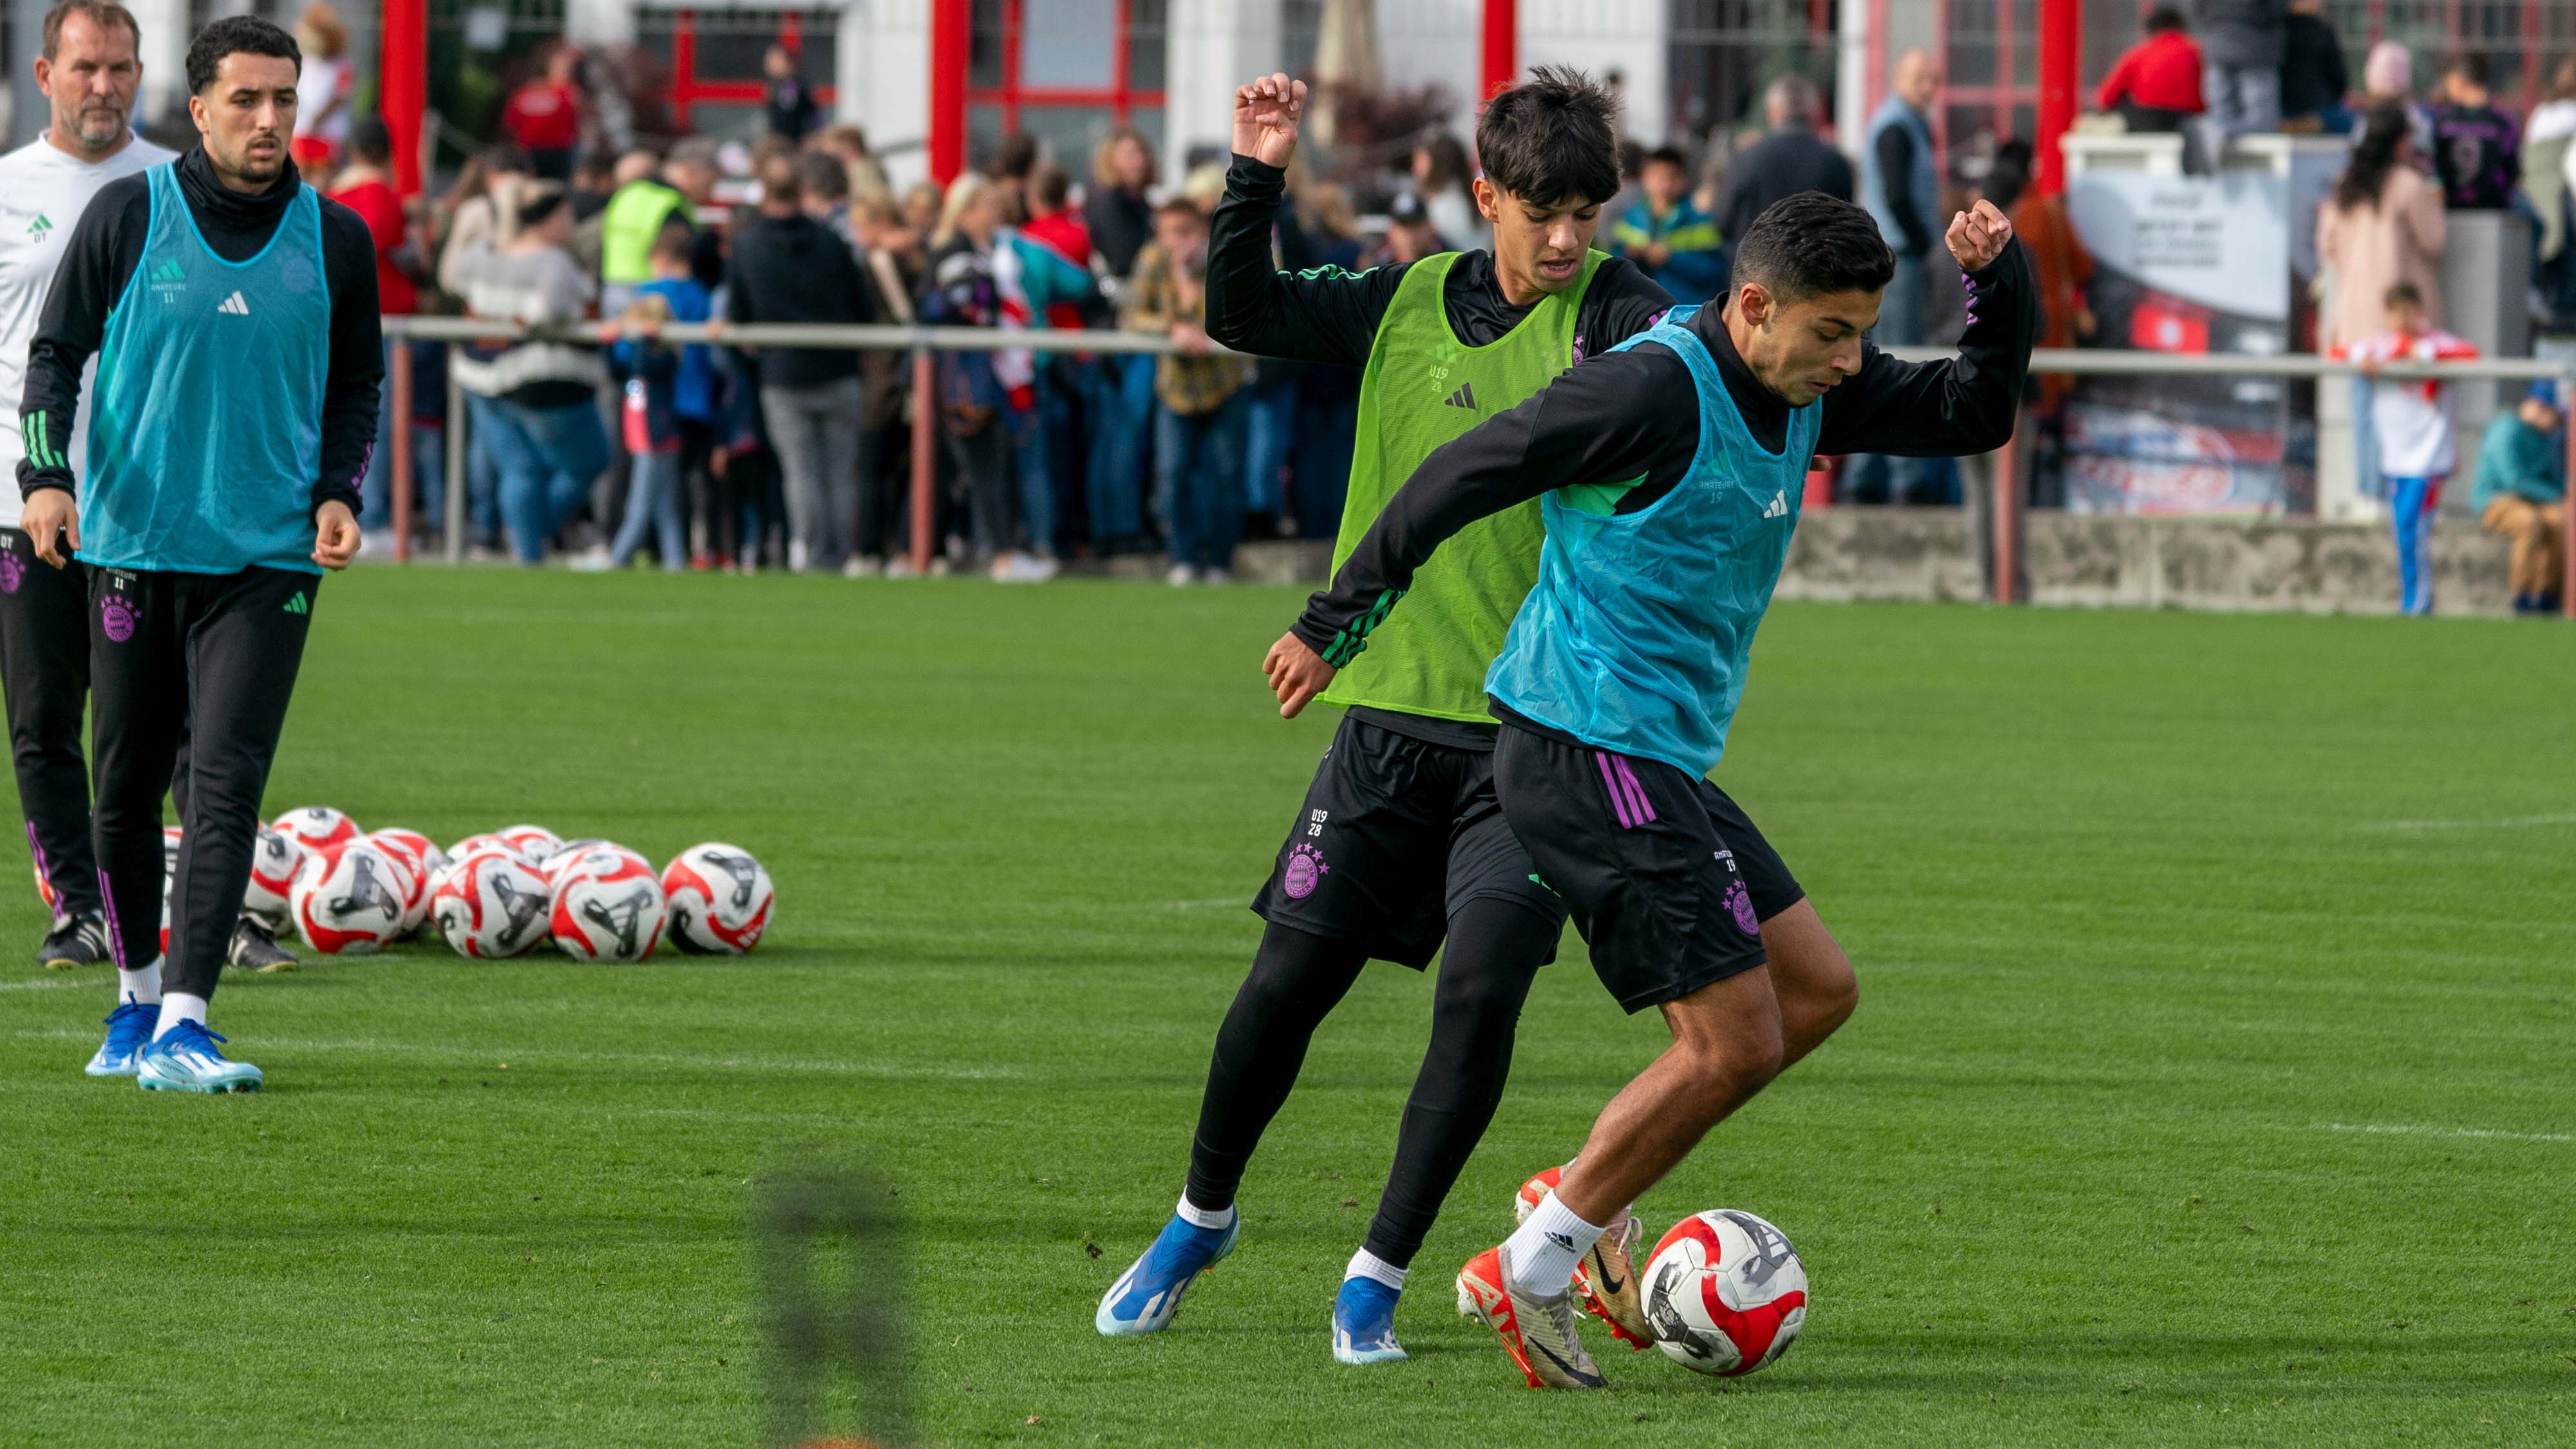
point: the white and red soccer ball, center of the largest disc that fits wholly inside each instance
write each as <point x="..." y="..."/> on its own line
<point x="720" y="899"/>
<point x="316" y="827"/>
<point x="533" y="841"/>
<point x="1725" y="1293"/>
<point x="351" y="899"/>
<point x="274" y="858"/>
<point x="491" y="904"/>
<point x="562" y="858"/>
<point x="425" y="861"/>
<point x="608" y="906"/>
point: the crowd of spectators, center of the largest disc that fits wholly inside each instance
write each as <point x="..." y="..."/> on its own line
<point x="608" y="446"/>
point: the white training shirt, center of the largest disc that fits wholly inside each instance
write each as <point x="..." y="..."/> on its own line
<point x="2412" y="417"/>
<point x="42" y="192"/>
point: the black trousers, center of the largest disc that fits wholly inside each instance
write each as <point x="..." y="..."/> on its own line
<point x="200" y="664"/>
<point x="44" y="670"/>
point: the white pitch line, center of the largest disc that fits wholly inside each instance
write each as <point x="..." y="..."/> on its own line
<point x="2379" y="1129"/>
<point x="1207" y="905"/>
<point x="2507" y="822"/>
<point x="497" y="1054"/>
<point x="49" y="983"/>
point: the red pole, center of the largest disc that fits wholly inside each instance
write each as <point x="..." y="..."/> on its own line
<point x="949" y="34"/>
<point x="402" y="85"/>
<point x="925" y="461"/>
<point x="2061" y="48"/>
<point x="1502" y="47"/>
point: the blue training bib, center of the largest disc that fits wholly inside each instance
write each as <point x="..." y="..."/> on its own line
<point x="1637" y="636"/>
<point x="205" y="428"/>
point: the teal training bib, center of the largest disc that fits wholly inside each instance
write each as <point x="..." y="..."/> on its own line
<point x="1638" y="633"/>
<point x="205" y="429"/>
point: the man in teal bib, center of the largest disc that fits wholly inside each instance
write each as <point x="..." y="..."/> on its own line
<point x="1671" y="472"/>
<point x="1399" y="842"/>
<point x="233" y="314"/>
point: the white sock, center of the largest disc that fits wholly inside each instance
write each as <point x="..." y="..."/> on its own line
<point x="1365" y="1264"/>
<point x="179" y="1006"/>
<point x="143" y="986"/>
<point x="1542" y="1252"/>
<point x="1217" y="1220"/>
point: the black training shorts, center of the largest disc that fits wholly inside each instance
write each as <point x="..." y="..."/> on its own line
<point x="1397" y="834"/>
<point x="1667" y="879"/>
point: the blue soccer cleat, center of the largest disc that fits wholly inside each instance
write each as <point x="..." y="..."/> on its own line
<point x="187" y="1061"/>
<point x="1364" y="1323"/>
<point x="129" y="1031"/>
<point x="1146" y="1296"/>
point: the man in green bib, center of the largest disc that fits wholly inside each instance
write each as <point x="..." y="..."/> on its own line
<point x="1399" y="842"/>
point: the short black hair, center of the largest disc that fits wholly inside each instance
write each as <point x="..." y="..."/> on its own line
<point x="2402" y="294"/>
<point x="2165" y="19"/>
<point x="1049" y="186"/>
<point x="1667" y="156"/>
<point x="371" y="140"/>
<point x="1551" y="139"/>
<point x="2469" y="66"/>
<point x="236" y="35"/>
<point x="1811" y="244"/>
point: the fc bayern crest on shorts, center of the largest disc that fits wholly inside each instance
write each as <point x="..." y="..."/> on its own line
<point x="1740" y="901"/>
<point x="1306" y="868"/>
<point x="13" y="572"/>
<point x="117" y="617"/>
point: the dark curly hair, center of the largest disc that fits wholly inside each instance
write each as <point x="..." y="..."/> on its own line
<point x="236" y="35"/>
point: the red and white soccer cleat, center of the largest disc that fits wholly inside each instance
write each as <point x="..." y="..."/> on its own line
<point x="1537" y="1332"/>
<point x="1606" y="1279"/>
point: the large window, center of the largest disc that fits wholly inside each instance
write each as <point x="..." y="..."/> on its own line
<point x="1725" y="52"/>
<point x="1065" y="71"/>
<point x="715" y="55"/>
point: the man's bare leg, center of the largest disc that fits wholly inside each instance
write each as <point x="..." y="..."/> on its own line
<point x="1812" y="978"/>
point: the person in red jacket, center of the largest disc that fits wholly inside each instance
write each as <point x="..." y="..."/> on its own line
<point x="544" y="115"/>
<point x="2157" y="84"/>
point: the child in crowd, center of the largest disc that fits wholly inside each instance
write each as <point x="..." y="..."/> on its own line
<point x="2411" y="419"/>
<point x="695" y="385"/>
<point x="1199" y="417"/>
<point x="647" y="373"/>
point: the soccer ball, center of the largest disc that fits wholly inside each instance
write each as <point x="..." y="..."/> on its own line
<point x="720" y="899"/>
<point x="473" y="843"/>
<point x="491" y="904"/>
<point x="316" y="826"/>
<point x="1725" y="1293"/>
<point x="560" y="859"/>
<point x="533" y="841"/>
<point x="350" y="901"/>
<point x="426" y="862"/>
<point x="608" y="908"/>
<point x="274" y="859"/>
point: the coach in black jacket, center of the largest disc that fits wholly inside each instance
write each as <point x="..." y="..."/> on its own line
<point x="1793" y="158"/>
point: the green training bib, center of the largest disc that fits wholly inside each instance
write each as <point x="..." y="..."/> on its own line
<point x="1423" y="387"/>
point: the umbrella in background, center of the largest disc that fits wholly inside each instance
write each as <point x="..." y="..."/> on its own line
<point x="1346" y="59"/>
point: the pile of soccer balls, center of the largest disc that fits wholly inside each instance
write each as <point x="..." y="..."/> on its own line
<point x="498" y="895"/>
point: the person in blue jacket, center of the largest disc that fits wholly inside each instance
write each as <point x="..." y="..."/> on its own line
<point x="1667" y="233"/>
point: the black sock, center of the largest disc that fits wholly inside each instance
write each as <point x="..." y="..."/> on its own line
<point x="1494" y="952"/>
<point x="1297" y="979"/>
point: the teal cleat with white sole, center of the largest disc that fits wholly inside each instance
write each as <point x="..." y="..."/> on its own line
<point x="187" y="1060"/>
<point x="1146" y="1296"/>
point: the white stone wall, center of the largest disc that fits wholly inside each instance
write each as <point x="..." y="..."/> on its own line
<point x="1602" y="37"/>
<point x="1211" y="47"/>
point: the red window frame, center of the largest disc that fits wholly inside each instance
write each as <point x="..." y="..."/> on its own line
<point x="687" y="89"/>
<point x="1120" y="97"/>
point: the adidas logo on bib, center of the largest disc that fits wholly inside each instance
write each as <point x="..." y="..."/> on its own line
<point x="1464" y="397"/>
<point x="235" y="306"/>
<point x="1779" y="506"/>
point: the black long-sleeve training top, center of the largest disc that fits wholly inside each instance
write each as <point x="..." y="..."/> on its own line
<point x="1629" y="421"/>
<point x="106" y="246"/>
<point x="1327" y="314"/>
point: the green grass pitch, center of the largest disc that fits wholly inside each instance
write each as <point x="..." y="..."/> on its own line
<point x="2214" y="1080"/>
